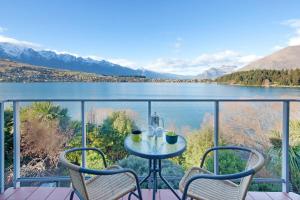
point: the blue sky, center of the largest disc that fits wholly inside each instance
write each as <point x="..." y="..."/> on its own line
<point x="182" y="37"/>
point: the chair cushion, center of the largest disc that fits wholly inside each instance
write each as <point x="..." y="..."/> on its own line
<point x="110" y="186"/>
<point x="208" y="189"/>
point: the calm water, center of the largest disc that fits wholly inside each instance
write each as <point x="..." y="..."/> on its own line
<point x="178" y="114"/>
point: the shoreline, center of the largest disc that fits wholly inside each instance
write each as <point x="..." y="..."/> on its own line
<point x="157" y="81"/>
<point x="262" y="86"/>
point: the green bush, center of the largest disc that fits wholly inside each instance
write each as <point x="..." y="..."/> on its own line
<point x="109" y="137"/>
<point x="275" y="154"/>
<point x="113" y="132"/>
<point x="197" y="143"/>
<point x="230" y="162"/>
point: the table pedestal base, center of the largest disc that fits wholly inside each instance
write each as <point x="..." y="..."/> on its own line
<point x="154" y="170"/>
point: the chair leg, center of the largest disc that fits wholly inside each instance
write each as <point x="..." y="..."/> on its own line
<point x="129" y="196"/>
<point x="139" y="196"/>
<point x="138" y="188"/>
<point x="72" y="195"/>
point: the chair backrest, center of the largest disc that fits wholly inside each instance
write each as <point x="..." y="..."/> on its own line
<point x="77" y="178"/>
<point x="255" y="162"/>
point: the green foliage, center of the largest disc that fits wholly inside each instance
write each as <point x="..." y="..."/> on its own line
<point x="275" y="153"/>
<point x="109" y="137"/>
<point x="263" y="77"/>
<point x="8" y="132"/>
<point x="141" y="167"/>
<point x="48" y="111"/>
<point x="230" y="162"/>
<point x="267" y="187"/>
<point x="197" y="143"/>
<point x="171" y="133"/>
<point x="113" y="132"/>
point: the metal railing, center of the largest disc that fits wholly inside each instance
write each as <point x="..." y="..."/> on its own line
<point x="284" y="180"/>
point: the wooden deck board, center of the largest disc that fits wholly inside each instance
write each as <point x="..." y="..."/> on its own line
<point x="7" y="193"/>
<point x="41" y="193"/>
<point x="260" y="196"/>
<point x="22" y="193"/>
<point x="48" y="193"/>
<point x="278" y="195"/>
<point x="59" y="193"/>
<point x="293" y="196"/>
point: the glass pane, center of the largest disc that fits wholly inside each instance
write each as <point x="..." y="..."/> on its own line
<point x="255" y="125"/>
<point x="294" y="152"/>
<point x="108" y="123"/>
<point x="47" y="128"/>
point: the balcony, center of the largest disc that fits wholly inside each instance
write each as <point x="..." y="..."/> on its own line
<point x="50" y="187"/>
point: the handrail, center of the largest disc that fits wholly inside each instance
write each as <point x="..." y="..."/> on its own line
<point x="161" y="100"/>
<point x="285" y="128"/>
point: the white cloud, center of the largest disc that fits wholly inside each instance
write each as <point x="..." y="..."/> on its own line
<point x="119" y="61"/>
<point x="123" y="62"/>
<point x="95" y="57"/>
<point x="2" y="29"/>
<point x="295" y="24"/>
<point x="18" y="42"/>
<point x="63" y="52"/>
<point x="277" y="47"/>
<point x="167" y="65"/>
<point x="200" y="63"/>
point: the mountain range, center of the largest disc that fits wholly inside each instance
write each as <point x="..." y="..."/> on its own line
<point x="287" y="58"/>
<point x="215" y="72"/>
<point x="66" y="61"/>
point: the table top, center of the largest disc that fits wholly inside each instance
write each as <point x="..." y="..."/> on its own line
<point x="154" y="147"/>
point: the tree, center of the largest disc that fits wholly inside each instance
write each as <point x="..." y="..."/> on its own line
<point x="109" y="137"/>
<point x="113" y="132"/>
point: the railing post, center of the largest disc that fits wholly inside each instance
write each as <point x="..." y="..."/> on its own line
<point x="83" y="132"/>
<point x="149" y="113"/>
<point x="17" y="138"/>
<point x="148" y="128"/>
<point x="216" y="136"/>
<point x="285" y="146"/>
<point x="2" y="158"/>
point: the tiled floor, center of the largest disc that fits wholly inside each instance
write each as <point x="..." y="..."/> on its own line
<point x="47" y="193"/>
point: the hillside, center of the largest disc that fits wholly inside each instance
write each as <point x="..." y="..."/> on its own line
<point x="19" y="72"/>
<point x="263" y="77"/>
<point x="287" y="58"/>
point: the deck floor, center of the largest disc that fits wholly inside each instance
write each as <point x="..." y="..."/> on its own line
<point x="47" y="193"/>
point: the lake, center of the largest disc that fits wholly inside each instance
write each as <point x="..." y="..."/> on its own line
<point x="175" y="114"/>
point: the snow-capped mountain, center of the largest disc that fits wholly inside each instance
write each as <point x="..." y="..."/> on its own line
<point x="66" y="61"/>
<point x="215" y="72"/>
<point x="12" y="50"/>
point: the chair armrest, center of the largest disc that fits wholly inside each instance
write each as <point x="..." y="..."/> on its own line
<point x="216" y="177"/>
<point x="222" y="148"/>
<point x="110" y="172"/>
<point x="89" y="149"/>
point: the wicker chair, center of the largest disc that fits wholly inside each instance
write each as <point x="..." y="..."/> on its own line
<point x="199" y="183"/>
<point x="111" y="183"/>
